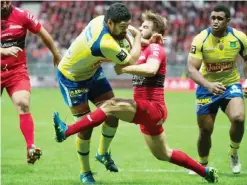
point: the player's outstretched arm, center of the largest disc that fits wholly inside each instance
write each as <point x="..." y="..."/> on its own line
<point x="193" y="66"/>
<point x="148" y="69"/>
<point x="11" y="51"/>
<point x="48" y="41"/>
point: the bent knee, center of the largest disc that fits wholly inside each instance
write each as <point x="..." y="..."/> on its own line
<point x="23" y="105"/>
<point x="238" y="118"/>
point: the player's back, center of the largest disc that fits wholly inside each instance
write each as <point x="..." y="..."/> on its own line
<point x="84" y="56"/>
<point x="219" y="55"/>
<point x="151" y="88"/>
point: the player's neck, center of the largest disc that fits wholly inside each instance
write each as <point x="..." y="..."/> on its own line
<point x="219" y="34"/>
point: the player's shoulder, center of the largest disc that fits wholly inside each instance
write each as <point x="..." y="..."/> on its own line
<point x="237" y="33"/>
<point x="200" y="37"/>
<point x="19" y="11"/>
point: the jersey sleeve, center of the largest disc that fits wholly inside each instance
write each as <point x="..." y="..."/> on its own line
<point x="196" y="46"/>
<point x="111" y="50"/>
<point x="156" y="51"/>
<point x="31" y="23"/>
<point x="243" y="38"/>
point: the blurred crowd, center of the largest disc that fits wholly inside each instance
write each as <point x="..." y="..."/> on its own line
<point x="65" y="21"/>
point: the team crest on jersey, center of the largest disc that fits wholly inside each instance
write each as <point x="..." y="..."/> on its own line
<point x="121" y="56"/>
<point x="193" y="49"/>
<point x="233" y="44"/>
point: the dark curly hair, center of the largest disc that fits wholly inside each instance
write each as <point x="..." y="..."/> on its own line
<point x="222" y="8"/>
<point x="117" y="12"/>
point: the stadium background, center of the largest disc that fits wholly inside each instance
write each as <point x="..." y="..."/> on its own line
<point x="64" y="21"/>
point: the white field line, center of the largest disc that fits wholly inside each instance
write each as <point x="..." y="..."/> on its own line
<point x="170" y="171"/>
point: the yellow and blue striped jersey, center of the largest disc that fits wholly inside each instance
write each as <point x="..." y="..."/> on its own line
<point x="219" y="55"/>
<point x="94" y="45"/>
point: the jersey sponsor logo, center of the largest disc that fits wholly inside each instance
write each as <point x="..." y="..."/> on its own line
<point x="219" y="66"/>
<point x="193" y="49"/>
<point x="76" y="92"/>
<point x="203" y="101"/>
<point x="15" y="26"/>
<point x="6" y="34"/>
<point x="233" y="44"/>
<point x="235" y="89"/>
<point x="121" y="56"/>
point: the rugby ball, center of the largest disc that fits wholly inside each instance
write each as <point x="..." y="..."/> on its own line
<point x="127" y="42"/>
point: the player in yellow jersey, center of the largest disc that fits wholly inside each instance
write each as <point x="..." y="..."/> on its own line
<point x="214" y="52"/>
<point x="81" y="78"/>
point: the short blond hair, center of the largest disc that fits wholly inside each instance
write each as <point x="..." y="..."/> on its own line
<point x="159" y="22"/>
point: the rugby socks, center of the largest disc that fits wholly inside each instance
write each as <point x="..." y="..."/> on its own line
<point x="27" y="128"/>
<point x="233" y="150"/>
<point x="83" y="148"/>
<point x="203" y="160"/>
<point x="181" y="159"/>
<point x="93" y="119"/>
<point x="107" y="134"/>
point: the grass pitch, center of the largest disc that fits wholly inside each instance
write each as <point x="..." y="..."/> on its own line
<point x="59" y="165"/>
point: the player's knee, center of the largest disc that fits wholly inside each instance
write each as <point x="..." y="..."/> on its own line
<point x="206" y="131"/>
<point x="23" y="105"/>
<point x="238" y="118"/>
<point x="109" y="105"/>
<point x="111" y="121"/>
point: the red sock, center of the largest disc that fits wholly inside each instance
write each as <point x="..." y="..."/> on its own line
<point x="181" y="159"/>
<point x="27" y="128"/>
<point x="93" y="119"/>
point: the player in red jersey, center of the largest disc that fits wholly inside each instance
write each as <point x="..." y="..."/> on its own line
<point x="148" y="109"/>
<point x="15" y="23"/>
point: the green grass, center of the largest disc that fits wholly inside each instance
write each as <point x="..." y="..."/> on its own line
<point x="59" y="165"/>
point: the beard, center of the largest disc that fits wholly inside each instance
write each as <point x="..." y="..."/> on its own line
<point x="6" y="11"/>
<point x="120" y="36"/>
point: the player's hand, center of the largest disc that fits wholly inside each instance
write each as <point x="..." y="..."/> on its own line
<point x="157" y="38"/>
<point x="245" y="88"/>
<point x="133" y="31"/>
<point x="118" y="69"/>
<point x="56" y="59"/>
<point x="11" y="51"/>
<point x="216" y="88"/>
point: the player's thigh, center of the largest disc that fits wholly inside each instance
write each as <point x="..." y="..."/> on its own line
<point x="124" y="109"/>
<point x="158" y="146"/>
<point x="235" y="109"/>
<point x="233" y="103"/>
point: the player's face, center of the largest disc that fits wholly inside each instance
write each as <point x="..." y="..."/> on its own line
<point x="119" y="30"/>
<point x="146" y="29"/>
<point x="6" y="8"/>
<point x="218" y="21"/>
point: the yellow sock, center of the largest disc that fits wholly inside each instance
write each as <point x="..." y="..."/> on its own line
<point x="233" y="150"/>
<point x="82" y="147"/>
<point x="106" y="137"/>
<point x="203" y="160"/>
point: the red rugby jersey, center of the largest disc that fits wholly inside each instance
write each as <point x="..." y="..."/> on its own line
<point x="13" y="33"/>
<point x="151" y="88"/>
